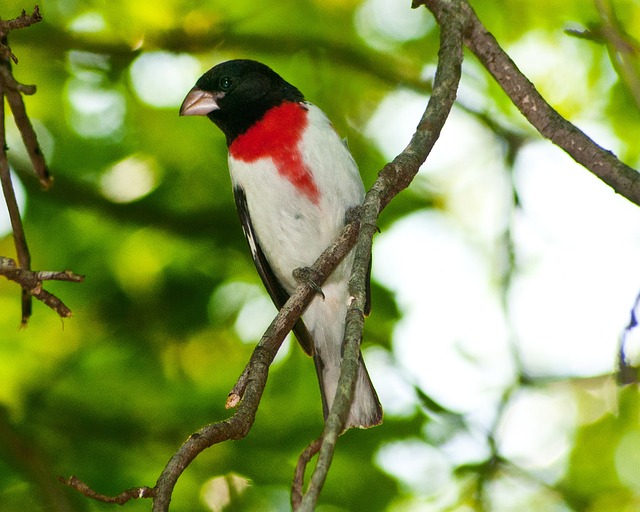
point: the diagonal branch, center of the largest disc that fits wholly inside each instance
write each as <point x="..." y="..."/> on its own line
<point x="13" y="92"/>
<point x="604" y="164"/>
<point x="130" y="494"/>
<point x="250" y="391"/>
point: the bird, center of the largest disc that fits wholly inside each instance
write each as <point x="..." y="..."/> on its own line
<point x="294" y="181"/>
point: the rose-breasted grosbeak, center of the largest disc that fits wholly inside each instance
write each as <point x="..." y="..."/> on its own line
<point x="293" y="181"/>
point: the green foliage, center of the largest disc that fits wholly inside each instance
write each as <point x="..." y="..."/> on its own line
<point x="154" y="345"/>
<point x="609" y="480"/>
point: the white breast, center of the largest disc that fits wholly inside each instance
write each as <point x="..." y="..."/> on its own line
<point x="291" y="229"/>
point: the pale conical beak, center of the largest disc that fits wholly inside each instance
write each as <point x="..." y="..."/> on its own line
<point x="199" y="102"/>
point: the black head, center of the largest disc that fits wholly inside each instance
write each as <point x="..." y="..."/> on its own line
<point x="236" y="94"/>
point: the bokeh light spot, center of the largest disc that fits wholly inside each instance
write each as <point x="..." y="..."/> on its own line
<point x="130" y="179"/>
<point x="162" y="79"/>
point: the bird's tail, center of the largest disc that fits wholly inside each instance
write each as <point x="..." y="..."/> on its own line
<point x="366" y="410"/>
<point x="325" y="320"/>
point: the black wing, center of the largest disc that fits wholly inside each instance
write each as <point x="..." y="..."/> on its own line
<point x="277" y="293"/>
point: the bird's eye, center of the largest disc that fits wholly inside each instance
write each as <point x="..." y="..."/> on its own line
<point x="225" y="83"/>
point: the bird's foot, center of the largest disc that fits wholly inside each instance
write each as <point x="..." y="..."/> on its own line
<point x="305" y="275"/>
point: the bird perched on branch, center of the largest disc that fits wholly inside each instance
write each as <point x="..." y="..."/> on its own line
<point x="294" y="181"/>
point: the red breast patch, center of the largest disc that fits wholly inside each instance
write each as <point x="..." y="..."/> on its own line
<point x="277" y="136"/>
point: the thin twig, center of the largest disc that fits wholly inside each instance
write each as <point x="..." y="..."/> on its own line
<point x="14" y="90"/>
<point x="29" y="137"/>
<point x="31" y="283"/>
<point x="298" y="477"/>
<point x="135" y="493"/>
<point x="23" y="21"/>
<point x="19" y="238"/>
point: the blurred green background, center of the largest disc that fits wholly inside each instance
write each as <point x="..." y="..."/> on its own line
<point x="172" y="306"/>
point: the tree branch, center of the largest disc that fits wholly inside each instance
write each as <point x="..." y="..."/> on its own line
<point x="31" y="282"/>
<point x="604" y="164"/>
<point x="298" y="477"/>
<point x="249" y="392"/>
<point x="23" y="21"/>
<point x="30" y="139"/>
<point x="19" y="238"/>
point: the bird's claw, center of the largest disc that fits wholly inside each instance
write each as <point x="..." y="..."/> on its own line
<point x="305" y="275"/>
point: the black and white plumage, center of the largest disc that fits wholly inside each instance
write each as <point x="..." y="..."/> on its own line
<point x="293" y="181"/>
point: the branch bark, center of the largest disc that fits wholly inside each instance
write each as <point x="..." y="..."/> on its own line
<point x="23" y="21"/>
<point x="31" y="282"/>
